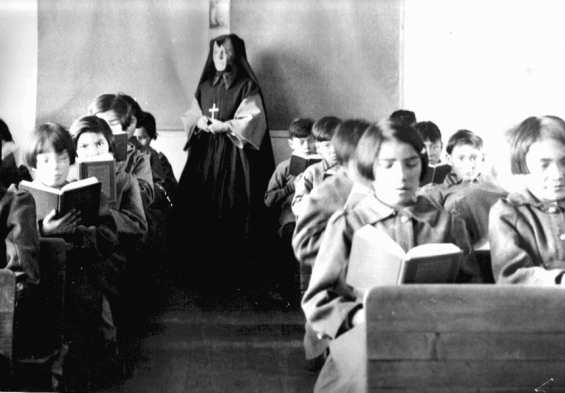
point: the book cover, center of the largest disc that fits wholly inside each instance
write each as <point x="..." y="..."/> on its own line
<point x="102" y="167"/>
<point x="299" y="163"/>
<point x="376" y="259"/>
<point x="120" y="145"/>
<point x="436" y="174"/>
<point x="83" y="195"/>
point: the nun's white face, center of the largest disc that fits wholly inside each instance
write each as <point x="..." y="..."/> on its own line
<point x="220" y="57"/>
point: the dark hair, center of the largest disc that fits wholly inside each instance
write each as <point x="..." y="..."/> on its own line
<point x="47" y="137"/>
<point x="324" y="129"/>
<point x="405" y="116"/>
<point x="93" y="125"/>
<point x="346" y="138"/>
<point x="135" y="108"/>
<point x="428" y="131"/>
<point x="386" y="130"/>
<point x="5" y="134"/>
<point x="116" y="103"/>
<point x="525" y="134"/>
<point x="301" y="127"/>
<point x="464" y="137"/>
<point x="147" y="121"/>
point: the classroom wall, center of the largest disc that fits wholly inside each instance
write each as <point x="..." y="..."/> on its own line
<point x="484" y="66"/>
<point x="463" y="64"/>
<point x="18" y="65"/>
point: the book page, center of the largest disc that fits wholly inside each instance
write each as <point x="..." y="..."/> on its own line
<point x="432" y="249"/>
<point x="79" y="183"/>
<point x="375" y="259"/>
<point x="40" y="186"/>
<point x="100" y="157"/>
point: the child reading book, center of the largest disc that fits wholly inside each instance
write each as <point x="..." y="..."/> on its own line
<point x="393" y="157"/>
<point x="119" y="114"/>
<point x="431" y="135"/>
<point x="323" y="131"/>
<point x="466" y="157"/>
<point x="91" y="269"/>
<point x="332" y="195"/>
<point x="526" y="228"/>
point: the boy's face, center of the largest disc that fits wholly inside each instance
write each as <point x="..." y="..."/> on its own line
<point x="434" y="151"/>
<point x="52" y="169"/>
<point x="303" y="146"/>
<point x="466" y="162"/>
<point x="327" y="151"/>
<point x="91" y="144"/>
<point x="143" y="138"/>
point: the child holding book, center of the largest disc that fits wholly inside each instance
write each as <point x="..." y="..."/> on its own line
<point x="280" y="190"/>
<point x="278" y="199"/>
<point x="393" y="157"/>
<point x="466" y="157"/>
<point x="323" y="131"/>
<point x="431" y="135"/>
<point x="117" y="111"/>
<point x="91" y="269"/>
<point x="343" y="189"/>
<point x="526" y="228"/>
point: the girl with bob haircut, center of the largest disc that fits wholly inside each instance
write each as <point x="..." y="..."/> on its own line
<point x="392" y="156"/>
<point x="92" y="137"/>
<point x="49" y="151"/>
<point x="526" y="229"/>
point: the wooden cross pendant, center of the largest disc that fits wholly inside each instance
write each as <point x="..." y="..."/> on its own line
<point x="214" y="110"/>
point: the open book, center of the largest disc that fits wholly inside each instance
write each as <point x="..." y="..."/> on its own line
<point x="102" y="167"/>
<point x="435" y="174"/>
<point x="83" y="195"/>
<point x="299" y="163"/>
<point x="376" y="259"/>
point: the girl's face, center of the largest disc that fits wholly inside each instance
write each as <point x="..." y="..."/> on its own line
<point x="91" y="144"/>
<point x="546" y="162"/>
<point x="52" y="169"/>
<point x="142" y="137"/>
<point x="112" y="119"/>
<point x="397" y="173"/>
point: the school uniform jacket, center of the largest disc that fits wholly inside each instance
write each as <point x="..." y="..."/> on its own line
<point x="21" y="243"/>
<point x="329" y="303"/>
<point x="138" y="164"/>
<point x="527" y="239"/>
<point x="312" y="177"/>
<point x="280" y="192"/>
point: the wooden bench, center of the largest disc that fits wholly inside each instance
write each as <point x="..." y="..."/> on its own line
<point x="465" y="338"/>
<point x="7" y="307"/>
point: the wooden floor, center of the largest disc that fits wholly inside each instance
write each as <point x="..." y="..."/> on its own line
<point x="194" y="344"/>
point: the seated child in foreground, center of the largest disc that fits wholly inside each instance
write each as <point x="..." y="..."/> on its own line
<point x="526" y="228"/>
<point x="343" y="189"/>
<point x="323" y="131"/>
<point x="90" y="268"/>
<point x="393" y="157"/>
<point x="466" y="157"/>
<point x="431" y="135"/>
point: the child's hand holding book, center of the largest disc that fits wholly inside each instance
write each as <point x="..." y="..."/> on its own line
<point x="64" y="225"/>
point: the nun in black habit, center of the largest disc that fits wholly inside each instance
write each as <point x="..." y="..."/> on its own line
<point x="229" y="164"/>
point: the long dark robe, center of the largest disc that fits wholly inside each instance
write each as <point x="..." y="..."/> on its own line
<point x="223" y="184"/>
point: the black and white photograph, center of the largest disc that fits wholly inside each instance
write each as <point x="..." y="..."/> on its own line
<point x="327" y="196"/>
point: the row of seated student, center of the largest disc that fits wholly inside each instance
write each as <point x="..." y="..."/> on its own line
<point x="379" y="182"/>
<point x="105" y="262"/>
